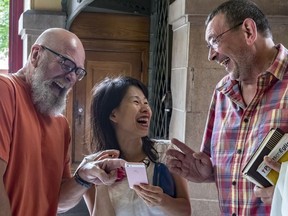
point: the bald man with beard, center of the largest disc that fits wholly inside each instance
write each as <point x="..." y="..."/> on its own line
<point x="35" y="175"/>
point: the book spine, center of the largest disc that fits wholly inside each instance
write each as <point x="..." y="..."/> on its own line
<point x="256" y="175"/>
<point x="251" y="179"/>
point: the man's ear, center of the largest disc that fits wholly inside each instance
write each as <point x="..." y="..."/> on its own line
<point x="35" y="55"/>
<point x="250" y="29"/>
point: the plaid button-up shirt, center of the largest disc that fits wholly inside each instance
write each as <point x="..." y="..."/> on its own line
<point x="234" y="131"/>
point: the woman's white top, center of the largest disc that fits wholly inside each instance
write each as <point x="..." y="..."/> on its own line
<point x="280" y="196"/>
<point x="124" y="199"/>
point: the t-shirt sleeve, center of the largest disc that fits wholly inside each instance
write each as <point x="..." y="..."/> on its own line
<point x="67" y="166"/>
<point x="7" y="112"/>
<point x="67" y="161"/>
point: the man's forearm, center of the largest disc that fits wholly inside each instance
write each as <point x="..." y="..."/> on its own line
<point x="70" y="194"/>
<point x="4" y="202"/>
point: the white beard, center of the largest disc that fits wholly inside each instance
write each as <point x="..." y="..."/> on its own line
<point x="45" y="101"/>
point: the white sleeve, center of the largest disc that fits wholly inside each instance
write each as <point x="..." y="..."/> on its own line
<point x="280" y="197"/>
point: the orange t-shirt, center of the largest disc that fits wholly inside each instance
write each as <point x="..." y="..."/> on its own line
<point x="35" y="148"/>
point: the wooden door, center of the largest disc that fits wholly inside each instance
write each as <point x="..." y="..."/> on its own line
<point x="106" y="55"/>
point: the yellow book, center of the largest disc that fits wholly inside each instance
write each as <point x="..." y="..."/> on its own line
<point x="278" y="153"/>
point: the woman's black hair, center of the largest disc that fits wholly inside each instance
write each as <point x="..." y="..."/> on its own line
<point x="106" y="96"/>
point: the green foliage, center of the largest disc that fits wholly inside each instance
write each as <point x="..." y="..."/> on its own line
<point x="4" y="27"/>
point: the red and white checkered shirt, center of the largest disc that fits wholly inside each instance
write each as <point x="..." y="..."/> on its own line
<point x="234" y="131"/>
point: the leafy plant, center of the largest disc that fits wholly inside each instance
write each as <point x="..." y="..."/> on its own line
<point x="4" y="27"/>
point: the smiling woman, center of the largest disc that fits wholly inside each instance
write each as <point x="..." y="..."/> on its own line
<point x="120" y="119"/>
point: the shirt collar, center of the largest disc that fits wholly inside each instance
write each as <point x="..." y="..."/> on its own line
<point x="279" y="66"/>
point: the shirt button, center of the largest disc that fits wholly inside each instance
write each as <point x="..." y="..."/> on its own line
<point x="233" y="183"/>
<point x="246" y="120"/>
<point x="239" y="151"/>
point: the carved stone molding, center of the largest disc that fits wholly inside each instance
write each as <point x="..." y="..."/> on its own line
<point x="32" y="23"/>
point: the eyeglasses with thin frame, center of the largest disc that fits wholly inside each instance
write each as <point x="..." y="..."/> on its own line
<point x="214" y="42"/>
<point x="68" y="65"/>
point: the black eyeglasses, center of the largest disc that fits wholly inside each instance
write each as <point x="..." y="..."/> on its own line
<point x="214" y="42"/>
<point x="68" y="65"/>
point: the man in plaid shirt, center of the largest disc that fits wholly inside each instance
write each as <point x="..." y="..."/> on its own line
<point x="246" y="104"/>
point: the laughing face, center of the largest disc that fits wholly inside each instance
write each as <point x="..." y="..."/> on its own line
<point x="48" y="94"/>
<point x="227" y="48"/>
<point x="133" y="115"/>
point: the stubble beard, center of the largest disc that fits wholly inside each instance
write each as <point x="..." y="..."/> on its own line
<point x="43" y="98"/>
<point x="243" y="66"/>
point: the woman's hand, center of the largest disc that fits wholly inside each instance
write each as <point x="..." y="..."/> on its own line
<point x="151" y="195"/>
<point x="154" y="196"/>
